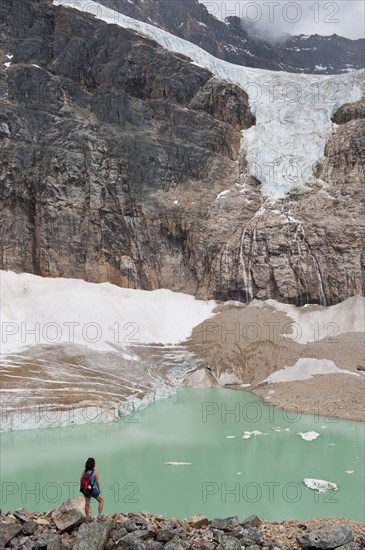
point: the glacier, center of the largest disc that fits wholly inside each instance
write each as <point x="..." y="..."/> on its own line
<point x="293" y="111"/>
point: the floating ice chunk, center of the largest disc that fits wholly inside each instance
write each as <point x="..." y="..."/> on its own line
<point x="247" y="435"/>
<point x="320" y="485"/>
<point x="231" y="436"/>
<point x="332" y="444"/>
<point x="349" y="471"/>
<point x="308" y="436"/>
<point x="239" y="473"/>
<point x="223" y="193"/>
<point x="179" y="463"/>
<point x="278" y="429"/>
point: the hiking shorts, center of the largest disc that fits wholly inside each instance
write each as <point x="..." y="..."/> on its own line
<point x="95" y="492"/>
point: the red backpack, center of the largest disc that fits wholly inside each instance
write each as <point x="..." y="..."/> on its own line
<point x="86" y="484"/>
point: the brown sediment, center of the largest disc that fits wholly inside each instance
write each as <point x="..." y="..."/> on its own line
<point x="247" y="345"/>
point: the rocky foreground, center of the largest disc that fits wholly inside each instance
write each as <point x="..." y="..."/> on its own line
<point x="66" y="528"/>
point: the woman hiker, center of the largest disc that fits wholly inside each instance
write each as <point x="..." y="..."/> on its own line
<point x="89" y="486"/>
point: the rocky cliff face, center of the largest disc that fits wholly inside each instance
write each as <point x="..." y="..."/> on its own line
<point x="114" y="152"/>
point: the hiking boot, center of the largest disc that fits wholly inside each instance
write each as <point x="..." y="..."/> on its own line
<point x="101" y="517"/>
<point x="88" y="519"/>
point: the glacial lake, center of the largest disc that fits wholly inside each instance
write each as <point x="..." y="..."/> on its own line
<point x="262" y="474"/>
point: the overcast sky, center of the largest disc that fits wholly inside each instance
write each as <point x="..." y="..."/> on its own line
<point x="273" y="18"/>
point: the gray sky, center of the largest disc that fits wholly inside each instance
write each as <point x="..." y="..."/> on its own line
<point x="272" y="18"/>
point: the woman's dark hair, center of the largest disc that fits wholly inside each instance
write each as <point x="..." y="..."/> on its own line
<point x="90" y="464"/>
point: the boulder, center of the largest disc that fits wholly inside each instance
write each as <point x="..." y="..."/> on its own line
<point x="229" y="543"/>
<point x="29" y="527"/>
<point x="176" y="544"/>
<point x="131" y="542"/>
<point x="130" y="525"/>
<point x="42" y="521"/>
<point x="327" y="538"/>
<point x="54" y="543"/>
<point x="198" y="521"/>
<point x="154" y="545"/>
<point x="164" y="535"/>
<point x="44" y="539"/>
<point x="8" y="531"/>
<point x="70" y="514"/>
<point x="350" y="546"/>
<point x="22" y="514"/>
<point x="251" y="536"/>
<point x="227" y="524"/>
<point x="119" y="533"/>
<point x="251" y="521"/>
<point x="93" y="536"/>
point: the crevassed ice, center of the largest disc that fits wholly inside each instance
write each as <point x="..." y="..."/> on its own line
<point x="293" y="111"/>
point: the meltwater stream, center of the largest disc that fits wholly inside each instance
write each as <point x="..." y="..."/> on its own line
<point x="186" y="455"/>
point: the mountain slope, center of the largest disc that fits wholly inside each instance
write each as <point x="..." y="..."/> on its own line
<point x="122" y="162"/>
<point x="230" y="41"/>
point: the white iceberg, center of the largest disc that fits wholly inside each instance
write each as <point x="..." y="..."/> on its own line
<point x="320" y="485"/>
<point x="178" y="463"/>
<point x="308" y="436"/>
<point x="247" y="435"/>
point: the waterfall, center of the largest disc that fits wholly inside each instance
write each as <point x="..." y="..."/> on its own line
<point x="247" y="270"/>
<point x="245" y="273"/>
<point x="322" y="296"/>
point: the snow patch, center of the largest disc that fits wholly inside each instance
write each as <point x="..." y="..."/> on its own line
<point x="315" y="323"/>
<point x="304" y="369"/>
<point x="223" y="193"/>
<point x="104" y="316"/>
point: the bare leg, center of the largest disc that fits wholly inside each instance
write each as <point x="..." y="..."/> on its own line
<point x="100" y="503"/>
<point x="87" y="506"/>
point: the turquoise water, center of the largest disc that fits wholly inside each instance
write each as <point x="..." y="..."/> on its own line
<point x="262" y="475"/>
